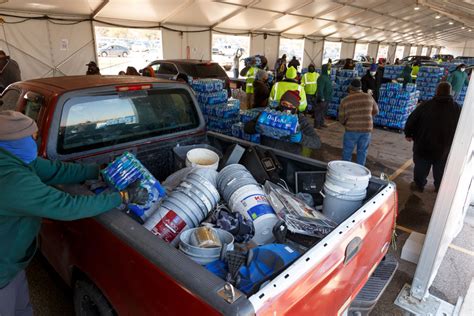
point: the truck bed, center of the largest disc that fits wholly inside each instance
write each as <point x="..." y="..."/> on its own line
<point x="318" y="272"/>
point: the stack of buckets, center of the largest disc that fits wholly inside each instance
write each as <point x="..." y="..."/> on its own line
<point x="185" y="208"/>
<point x="345" y="189"/>
<point x="243" y="194"/>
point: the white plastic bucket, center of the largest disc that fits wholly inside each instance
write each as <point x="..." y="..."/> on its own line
<point x="251" y="202"/>
<point x="168" y="224"/>
<point x="345" y="189"/>
<point x="202" y="158"/>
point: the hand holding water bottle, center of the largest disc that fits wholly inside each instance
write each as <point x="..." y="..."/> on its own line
<point x="134" y="194"/>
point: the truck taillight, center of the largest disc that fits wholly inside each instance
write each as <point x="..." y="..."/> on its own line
<point x="133" y="87"/>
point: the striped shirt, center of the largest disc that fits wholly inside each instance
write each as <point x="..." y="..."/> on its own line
<point x="356" y="112"/>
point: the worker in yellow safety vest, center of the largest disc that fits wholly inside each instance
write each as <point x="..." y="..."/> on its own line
<point x="309" y="82"/>
<point x="289" y="83"/>
<point x="251" y="73"/>
<point x="415" y="70"/>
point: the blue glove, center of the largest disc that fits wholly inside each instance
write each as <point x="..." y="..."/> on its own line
<point x="296" y="138"/>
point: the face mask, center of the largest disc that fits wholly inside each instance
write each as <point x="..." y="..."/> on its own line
<point x="462" y="69"/>
<point x="372" y="73"/>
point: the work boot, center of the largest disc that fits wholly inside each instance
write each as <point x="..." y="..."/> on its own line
<point x="416" y="188"/>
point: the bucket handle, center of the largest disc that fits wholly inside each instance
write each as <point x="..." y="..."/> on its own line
<point x="322" y="194"/>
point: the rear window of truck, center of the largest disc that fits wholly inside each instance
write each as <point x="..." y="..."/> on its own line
<point x="95" y="121"/>
<point x="211" y="70"/>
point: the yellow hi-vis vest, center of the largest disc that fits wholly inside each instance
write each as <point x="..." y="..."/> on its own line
<point x="281" y="87"/>
<point x="251" y="73"/>
<point x="309" y="82"/>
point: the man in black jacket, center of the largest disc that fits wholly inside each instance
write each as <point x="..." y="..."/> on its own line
<point x="431" y="127"/>
<point x="9" y="71"/>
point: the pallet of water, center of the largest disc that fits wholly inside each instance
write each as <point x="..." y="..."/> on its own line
<point x="395" y="105"/>
<point x="427" y="81"/>
<point x="341" y="84"/>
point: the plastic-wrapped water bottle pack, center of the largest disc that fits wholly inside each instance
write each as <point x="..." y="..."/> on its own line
<point x="462" y="96"/>
<point x="276" y="124"/>
<point x="238" y="132"/>
<point x="207" y="85"/>
<point x="248" y="115"/>
<point x="227" y="110"/>
<point x="361" y="70"/>
<point x="393" y="71"/>
<point x="212" y="97"/>
<point x="126" y="170"/>
<point x="395" y="104"/>
<point x="427" y="81"/>
<point x="340" y="87"/>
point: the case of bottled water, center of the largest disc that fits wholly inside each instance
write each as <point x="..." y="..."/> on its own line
<point x="207" y="85"/>
<point x="393" y="71"/>
<point x="127" y="169"/>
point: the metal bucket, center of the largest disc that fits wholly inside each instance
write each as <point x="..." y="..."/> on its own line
<point x="204" y="256"/>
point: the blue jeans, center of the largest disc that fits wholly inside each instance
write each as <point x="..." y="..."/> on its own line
<point x="236" y="73"/>
<point x="353" y="139"/>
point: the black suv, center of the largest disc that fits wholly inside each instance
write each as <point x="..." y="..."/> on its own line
<point x="171" y="68"/>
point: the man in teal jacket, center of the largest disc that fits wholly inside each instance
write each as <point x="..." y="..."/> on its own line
<point x="26" y="196"/>
<point x="458" y="79"/>
<point x="323" y="96"/>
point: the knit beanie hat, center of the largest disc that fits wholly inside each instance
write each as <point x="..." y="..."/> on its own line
<point x="291" y="73"/>
<point x="15" y="125"/>
<point x="292" y="97"/>
<point x="355" y="85"/>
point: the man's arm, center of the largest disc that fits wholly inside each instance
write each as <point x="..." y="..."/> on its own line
<point x="57" y="172"/>
<point x="412" y="123"/>
<point x="342" y="114"/>
<point x="39" y="199"/>
<point x="375" y="107"/>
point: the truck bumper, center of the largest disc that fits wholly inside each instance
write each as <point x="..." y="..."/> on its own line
<point x="374" y="288"/>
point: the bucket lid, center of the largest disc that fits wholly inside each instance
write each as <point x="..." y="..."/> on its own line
<point x="348" y="170"/>
<point x="208" y="202"/>
<point x="195" y="199"/>
<point x="228" y="169"/>
<point x="206" y="186"/>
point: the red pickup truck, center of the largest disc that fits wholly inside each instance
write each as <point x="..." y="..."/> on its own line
<point x="116" y="266"/>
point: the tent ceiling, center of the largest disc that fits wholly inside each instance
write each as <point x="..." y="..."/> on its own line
<point x="365" y="20"/>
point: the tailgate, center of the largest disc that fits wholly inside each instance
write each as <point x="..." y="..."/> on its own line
<point x="330" y="275"/>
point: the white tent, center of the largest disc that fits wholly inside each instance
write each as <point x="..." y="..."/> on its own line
<point x="56" y="37"/>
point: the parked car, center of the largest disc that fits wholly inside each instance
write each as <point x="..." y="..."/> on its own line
<point x="114" y="50"/>
<point x="216" y="51"/>
<point x="468" y="60"/>
<point x="444" y="57"/>
<point x="169" y="69"/>
<point x="339" y="63"/>
<point x="423" y="60"/>
<point x="116" y="266"/>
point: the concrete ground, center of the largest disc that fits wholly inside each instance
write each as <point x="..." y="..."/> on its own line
<point x="390" y="154"/>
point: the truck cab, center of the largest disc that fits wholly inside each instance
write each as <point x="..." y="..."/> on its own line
<point x="115" y="265"/>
